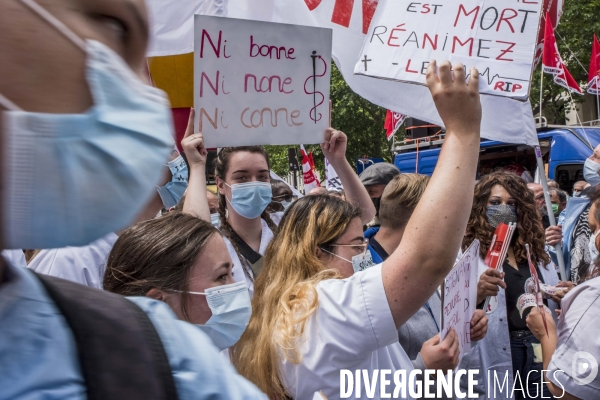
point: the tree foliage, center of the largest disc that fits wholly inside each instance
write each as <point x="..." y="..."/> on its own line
<point x="580" y="20"/>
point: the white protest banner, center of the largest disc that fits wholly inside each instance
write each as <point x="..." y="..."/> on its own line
<point x="260" y="82"/>
<point x="459" y="298"/>
<point x="498" y="38"/>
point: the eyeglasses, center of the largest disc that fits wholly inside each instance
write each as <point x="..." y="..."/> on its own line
<point x="362" y="247"/>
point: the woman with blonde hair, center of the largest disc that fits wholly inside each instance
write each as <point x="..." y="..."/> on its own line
<point x="313" y="315"/>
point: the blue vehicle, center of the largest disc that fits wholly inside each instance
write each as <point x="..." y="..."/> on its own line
<point x="564" y="150"/>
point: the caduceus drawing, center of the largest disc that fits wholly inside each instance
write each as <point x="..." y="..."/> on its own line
<point x="318" y="63"/>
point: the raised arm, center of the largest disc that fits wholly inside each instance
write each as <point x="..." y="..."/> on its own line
<point x="434" y="233"/>
<point x="334" y="148"/>
<point x="195" y="203"/>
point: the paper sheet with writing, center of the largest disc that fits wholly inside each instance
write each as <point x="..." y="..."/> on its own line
<point x="260" y="82"/>
<point x="459" y="298"/>
<point x="496" y="37"/>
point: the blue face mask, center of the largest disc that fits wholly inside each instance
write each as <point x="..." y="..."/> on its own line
<point x="231" y="310"/>
<point x="215" y="220"/>
<point x="590" y="172"/>
<point x="250" y="199"/>
<point x="172" y="192"/>
<point x="86" y="174"/>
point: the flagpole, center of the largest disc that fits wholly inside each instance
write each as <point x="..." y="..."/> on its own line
<point x="544" y="182"/>
<point x="541" y="90"/>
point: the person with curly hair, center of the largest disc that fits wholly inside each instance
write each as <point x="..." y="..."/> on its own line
<point x="509" y="348"/>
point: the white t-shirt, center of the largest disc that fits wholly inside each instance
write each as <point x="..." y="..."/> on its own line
<point x="84" y="265"/>
<point x="577" y="331"/>
<point x="352" y="328"/>
<point x="239" y="275"/>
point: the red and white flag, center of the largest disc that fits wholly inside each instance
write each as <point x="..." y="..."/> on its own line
<point x="552" y="62"/>
<point x="593" y="86"/>
<point x="393" y="122"/>
<point x="308" y="172"/>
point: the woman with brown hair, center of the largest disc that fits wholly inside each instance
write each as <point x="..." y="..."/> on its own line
<point x="314" y="316"/>
<point x="509" y="349"/>
<point x="182" y="261"/>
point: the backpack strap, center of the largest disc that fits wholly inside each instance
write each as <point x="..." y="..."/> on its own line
<point x="120" y="352"/>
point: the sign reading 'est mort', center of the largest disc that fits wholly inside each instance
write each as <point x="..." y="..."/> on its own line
<point x="498" y="37"/>
<point x="260" y="82"/>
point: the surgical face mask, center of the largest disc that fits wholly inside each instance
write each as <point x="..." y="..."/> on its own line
<point x="215" y="220"/>
<point x="250" y="199"/>
<point x="576" y="193"/>
<point x="592" y="247"/>
<point x="502" y="213"/>
<point x="590" y="172"/>
<point x="172" y="192"/>
<point x="72" y="178"/>
<point x="359" y="262"/>
<point x="231" y="310"/>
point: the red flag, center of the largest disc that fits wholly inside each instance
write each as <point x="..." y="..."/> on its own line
<point x="308" y="172"/>
<point x="594" y="71"/>
<point x="553" y="64"/>
<point x="553" y="8"/>
<point x="393" y="121"/>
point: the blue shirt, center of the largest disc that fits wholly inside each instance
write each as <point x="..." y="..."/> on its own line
<point x="38" y="356"/>
<point x="369" y="233"/>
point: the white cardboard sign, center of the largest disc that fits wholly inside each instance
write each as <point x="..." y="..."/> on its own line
<point x="260" y="82"/>
<point x="459" y="298"/>
<point x="495" y="36"/>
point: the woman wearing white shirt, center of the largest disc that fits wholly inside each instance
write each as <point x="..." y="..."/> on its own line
<point x="312" y="316"/>
<point x="571" y="349"/>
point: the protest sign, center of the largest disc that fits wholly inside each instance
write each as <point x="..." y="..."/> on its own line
<point x="459" y="298"/>
<point x="497" y="38"/>
<point x="260" y="82"/>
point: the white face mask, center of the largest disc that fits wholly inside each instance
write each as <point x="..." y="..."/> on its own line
<point x="231" y="310"/>
<point x="72" y="178"/>
<point x="359" y="262"/>
<point x="592" y="247"/>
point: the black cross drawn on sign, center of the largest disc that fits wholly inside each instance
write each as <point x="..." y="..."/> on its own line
<point x="366" y="61"/>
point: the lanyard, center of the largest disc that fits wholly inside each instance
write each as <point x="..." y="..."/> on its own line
<point x="432" y="316"/>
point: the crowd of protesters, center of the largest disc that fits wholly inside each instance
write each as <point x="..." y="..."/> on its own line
<point x="125" y="277"/>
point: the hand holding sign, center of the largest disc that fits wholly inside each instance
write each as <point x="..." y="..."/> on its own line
<point x="193" y="144"/>
<point x="334" y="145"/>
<point x="443" y="354"/>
